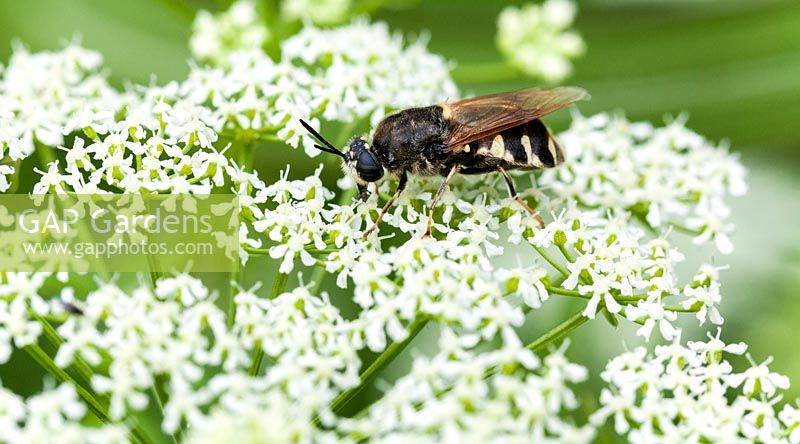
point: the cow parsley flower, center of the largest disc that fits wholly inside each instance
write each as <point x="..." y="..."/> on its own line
<point x="449" y="398"/>
<point x="276" y="418"/>
<point x="20" y="304"/>
<point x="669" y="176"/>
<point x="342" y="74"/>
<point x="682" y="394"/>
<point x="536" y="38"/>
<point x="40" y="95"/>
<point x="790" y="417"/>
<point x="368" y="70"/>
<point x="321" y="12"/>
<point x="447" y="280"/>
<point x="278" y="361"/>
<point x="52" y="413"/>
<point x="216" y="36"/>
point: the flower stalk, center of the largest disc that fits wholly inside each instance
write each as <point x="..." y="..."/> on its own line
<point x="380" y="363"/>
<point x="278" y="286"/>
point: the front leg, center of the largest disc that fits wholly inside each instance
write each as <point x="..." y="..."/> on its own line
<point x="439" y="193"/>
<point x="363" y="192"/>
<point x="400" y="187"/>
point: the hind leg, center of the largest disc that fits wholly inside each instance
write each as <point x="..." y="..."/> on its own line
<point x="513" y="193"/>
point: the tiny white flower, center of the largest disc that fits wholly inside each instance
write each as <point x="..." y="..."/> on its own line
<point x="536" y="40"/>
<point x="215" y="37"/>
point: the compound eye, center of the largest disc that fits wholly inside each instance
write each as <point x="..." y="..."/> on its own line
<point x="367" y="167"/>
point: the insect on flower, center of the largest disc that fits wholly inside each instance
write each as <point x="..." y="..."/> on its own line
<point x="493" y="133"/>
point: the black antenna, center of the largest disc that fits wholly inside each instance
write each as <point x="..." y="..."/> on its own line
<point x="328" y="147"/>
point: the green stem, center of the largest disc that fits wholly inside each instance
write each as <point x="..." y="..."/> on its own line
<point x="557" y="265"/>
<point x="565" y="292"/>
<point x="320" y="252"/>
<point x="258" y="354"/>
<point x="488" y="72"/>
<point x="309" y="248"/>
<point x="235" y="277"/>
<point x="558" y="332"/>
<point x="41" y="358"/>
<point x="279" y="285"/>
<point x="567" y="255"/>
<point x="317" y="278"/>
<point x="81" y="367"/>
<point x="630" y="299"/>
<point x="679" y="309"/>
<point x="246" y="153"/>
<point x="379" y="364"/>
<point x="625" y="300"/>
<point x="685" y="229"/>
<point x="257" y="251"/>
<point x="61" y="376"/>
<point x="154" y="276"/>
<point x="51" y="335"/>
<point x="161" y="398"/>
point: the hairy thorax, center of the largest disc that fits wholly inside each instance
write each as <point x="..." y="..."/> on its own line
<point x="410" y="140"/>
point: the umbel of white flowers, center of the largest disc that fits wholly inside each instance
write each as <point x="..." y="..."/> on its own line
<point x="281" y="361"/>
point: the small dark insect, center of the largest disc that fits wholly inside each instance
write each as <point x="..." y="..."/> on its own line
<point x="493" y="133"/>
<point x="71" y="308"/>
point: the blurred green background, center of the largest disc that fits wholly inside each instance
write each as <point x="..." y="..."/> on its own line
<point x="734" y="66"/>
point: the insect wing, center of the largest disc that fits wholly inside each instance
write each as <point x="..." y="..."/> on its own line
<point x="480" y="117"/>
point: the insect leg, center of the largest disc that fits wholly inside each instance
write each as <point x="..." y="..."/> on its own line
<point x="400" y="187"/>
<point x="516" y="197"/>
<point x="435" y="200"/>
<point x="363" y="192"/>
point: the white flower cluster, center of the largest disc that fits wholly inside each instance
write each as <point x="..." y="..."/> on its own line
<point x="341" y="74"/>
<point x="692" y="394"/>
<point x="670" y="176"/>
<point x="321" y="12"/>
<point x="610" y="262"/>
<point x="609" y="259"/>
<point x="363" y="69"/>
<point x="283" y="366"/>
<point x="450" y="281"/>
<point x="216" y="36"/>
<point x="162" y="138"/>
<point x="155" y="144"/>
<point x="52" y="416"/>
<point x="277" y="419"/>
<point x="41" y="94"/>
<point x="293" y="219"/>
<point x="460" y="395"/>
<point x="175" y="338"/>
<point x="536" y="38"/>
<point x="20" y="301"/>
<point x="314" y="349"/>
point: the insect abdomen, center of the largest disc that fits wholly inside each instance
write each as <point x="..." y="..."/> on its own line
<point x="526" y="146"/>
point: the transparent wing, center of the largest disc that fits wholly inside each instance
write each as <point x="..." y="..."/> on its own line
<point x="479" y="117"/>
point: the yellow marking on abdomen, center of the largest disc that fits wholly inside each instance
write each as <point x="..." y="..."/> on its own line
<point x="498" y="148"/>
<point x="526" y="143"/>
<point x="551" y="146"/>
